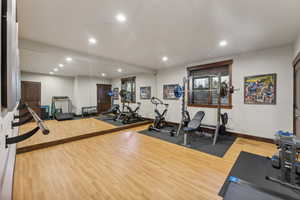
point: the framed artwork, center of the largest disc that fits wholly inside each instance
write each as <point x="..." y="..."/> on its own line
<point x="168" y="91"/>
<point x="145" y="92"/>
<point x="260" y="89"/>
<point x="116" y="93"/>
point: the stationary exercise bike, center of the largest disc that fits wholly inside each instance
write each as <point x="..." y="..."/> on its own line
<point x="160" y="119"/>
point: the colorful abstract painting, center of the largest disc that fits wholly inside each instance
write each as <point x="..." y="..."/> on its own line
<point x="260" y="89"/>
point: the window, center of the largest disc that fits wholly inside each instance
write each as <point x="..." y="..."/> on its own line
<point x="204" y="82"/>
<point x="128" y="84"/>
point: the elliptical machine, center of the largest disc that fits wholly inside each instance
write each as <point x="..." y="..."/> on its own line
<point x="132" y="115"/>
<point x="160" y="119"/>
<point x="127" y="115"/>
<point x="122" y="113"/>
<point x="114" y="110"/>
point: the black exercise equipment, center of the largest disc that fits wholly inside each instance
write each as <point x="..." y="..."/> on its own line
<point x="287" y="160"/>
<point x="223" y="90"/>
<point x="224" y="121"/>
<point x="160" y="122"/>
<point x="127" y="115"/>
<point x="114" y="110"/>
<point x="185" y="115"/>
<point x="40" y="126"/>
<point x="21" y="122"/>
<point x="45" y="112"/>
<point x="254" y="169"/>
<point x="121" y="114"/>
<point x="58" y="113"/>
<point x="132" y="116"/>
<point x="240" y="189"/>
<point x="89" y="111"/>
<point x="193" y="126"/>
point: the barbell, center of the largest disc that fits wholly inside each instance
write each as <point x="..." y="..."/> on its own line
<point x="224" y="90"/>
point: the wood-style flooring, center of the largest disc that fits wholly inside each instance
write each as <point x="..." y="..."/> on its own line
<point x="125" y="165"/>
<point x="63" y="129"/>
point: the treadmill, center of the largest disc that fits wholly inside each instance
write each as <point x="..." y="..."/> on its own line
<point x="58" y="111"/>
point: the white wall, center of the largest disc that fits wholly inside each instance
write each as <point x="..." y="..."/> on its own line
<point x="81" y="89"/>
<point x="7" y="155"/>
<point x="257" y="120"/>
<point x="142" y="80"/>
<point x="85" y="91"/>
<point x="297" y="46"/>
<point x="51" y="85"/>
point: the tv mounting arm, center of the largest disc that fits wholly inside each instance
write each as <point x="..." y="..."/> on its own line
<point x="40" y="126"/>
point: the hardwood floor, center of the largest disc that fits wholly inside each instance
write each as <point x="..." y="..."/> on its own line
<point x="125" y="165"/>
<point x="63" y="129"/>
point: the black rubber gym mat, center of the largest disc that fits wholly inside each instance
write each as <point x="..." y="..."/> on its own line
<point x="199" y="143"/>
<point x="253" y="169"/>
<point x="237" y="191"/>
<point x="110" y="121"/>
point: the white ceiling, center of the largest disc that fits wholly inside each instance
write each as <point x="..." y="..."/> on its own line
<point x="185" y="31"/>
<point x="43" y="58"/>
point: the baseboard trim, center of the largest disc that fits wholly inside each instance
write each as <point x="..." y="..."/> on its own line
<point x="241" y="135"/>
<point x="252" y="137"/>
<point x="79" y="137"/>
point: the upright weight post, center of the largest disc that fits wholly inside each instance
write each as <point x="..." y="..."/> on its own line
<point x="182" y="93"/>
<point x="218" y="111"/>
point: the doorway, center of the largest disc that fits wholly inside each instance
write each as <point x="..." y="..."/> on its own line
<point x="31" y="95"/>
<point x="297" y="96"/>
<point x="103" y="99"/>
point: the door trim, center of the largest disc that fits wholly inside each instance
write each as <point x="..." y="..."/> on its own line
<point x="296" y="60"/>
<point x="40" y="90"/>
<point x="296" y="66"/>
<point x="97" y="86"/>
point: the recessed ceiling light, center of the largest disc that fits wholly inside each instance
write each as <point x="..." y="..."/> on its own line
<point x="165" y="58"/>
<point x="120" y="70"/>
<point x="103" y="74"/>
<point x="223" y="43"/>
<point x="55" y="69"/>
<point x="51" y="73"/>
<point x="92" y="41"/>
<point x="121" y="18"/>
<point x="69" y="59"/>
<point x="61" y="65"/>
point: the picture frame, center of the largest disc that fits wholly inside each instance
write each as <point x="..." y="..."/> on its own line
<point x="260" y="89"/>
<point x="116" y="93"/>
<point x="168" y="91"/>
<point x="145" y="92"/>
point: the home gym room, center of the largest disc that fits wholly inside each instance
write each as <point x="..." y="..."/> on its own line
<point x="150" y="99"/>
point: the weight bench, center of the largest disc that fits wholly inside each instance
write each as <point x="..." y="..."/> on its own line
<point x="193" y="125"/>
